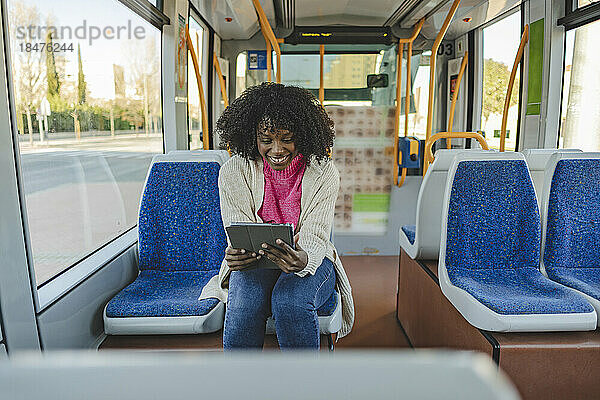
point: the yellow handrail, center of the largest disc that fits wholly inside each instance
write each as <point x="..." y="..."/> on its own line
<point x="429" y="143"/>
<point x="221" y="80"/>
<point x="269" y="50"/>
<point x="205" y="144"/>
<point x="434" y="49"/>
<point x="266" y="28"/>
<point x="397" y="113"/>
<point x="321" y="83"/>
<point x="511" y="82"/>
<point x="401" y="42"/>
<point x="463" y="65"/>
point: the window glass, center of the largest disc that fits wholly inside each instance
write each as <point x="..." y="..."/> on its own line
<point x="194" y="110"/>
<point x="240" y="74"/>
<point x="344" y="76"/>
<point x="88" y="105"/>
<point x="580" y="118"/>
<point x="417" y="116"/>
<point x="583" y="3"/>
<point x="500" y="44"/>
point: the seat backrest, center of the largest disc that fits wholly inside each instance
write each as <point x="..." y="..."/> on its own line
<point x="491" y="219"/>
<point x="180" y="226"/>
<point x="536" y="161"/>
<point x="220" y="156"/>
<point x="571" y="213"/>
<point x="430" y="198"/>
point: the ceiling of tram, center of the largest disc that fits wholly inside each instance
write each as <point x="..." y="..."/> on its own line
<point x="345" y="12"/>
<point x="236" y="19"/>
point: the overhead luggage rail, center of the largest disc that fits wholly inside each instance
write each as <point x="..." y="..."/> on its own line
<point x="490" y="251"/>
<point x="571" y="223"/>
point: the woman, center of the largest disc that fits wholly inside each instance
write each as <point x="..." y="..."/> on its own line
<point x="280" y="172"/>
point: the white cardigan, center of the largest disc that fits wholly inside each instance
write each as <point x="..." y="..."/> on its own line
<point x="241" y="190"/>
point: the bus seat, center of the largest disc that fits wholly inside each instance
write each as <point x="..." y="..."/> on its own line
<point x="571" y="223"/>
<point x="220" y="156"/>
<point x="422" y="241"/>
<point x="330" y="318"/>
<point x="536" y="161"/>
<point x="490" y="251"/>
<point x="181" y="245"/>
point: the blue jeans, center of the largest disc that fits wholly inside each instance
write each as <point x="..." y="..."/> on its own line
<point x="293" y="300"/>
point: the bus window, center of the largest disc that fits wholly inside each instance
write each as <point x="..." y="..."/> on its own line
<point x="344" y="76"/>
<point x="87" y="86"/>
<point x="500" y="43"/>
<point x="580" y="117"/>
<point x="583" y="3"/>
<point x="240" y="74"/>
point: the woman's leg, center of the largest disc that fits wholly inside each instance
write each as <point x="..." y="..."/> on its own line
<point x="248" y="307"/>
<point x="295" y="301"/>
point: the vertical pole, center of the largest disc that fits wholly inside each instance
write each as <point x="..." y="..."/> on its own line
<point x="205" y="144"/>
<point x="397" y="114"/>
<point x="269" y="56"/>
<point x="408" y="82"/>
<point x="434" y="49"/>
<point x="321" y="83"/>
<point x="112" y="121"/>
<point x="463" y="65"/>
<point x="511" y="83"/>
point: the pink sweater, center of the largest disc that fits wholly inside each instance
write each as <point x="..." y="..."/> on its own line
<point x="283" y="191"/>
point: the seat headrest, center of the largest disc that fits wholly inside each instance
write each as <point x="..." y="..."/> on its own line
<point x="538" y="158"/>
<point x="444" y="157"/>
<point x="218" y="156"/>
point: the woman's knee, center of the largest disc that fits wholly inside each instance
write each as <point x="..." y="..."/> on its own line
<point x="246" y="295"/>
<point x="289" y="299"/>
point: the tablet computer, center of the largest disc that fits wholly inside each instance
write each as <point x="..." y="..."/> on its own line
<point x="251" y="236"/>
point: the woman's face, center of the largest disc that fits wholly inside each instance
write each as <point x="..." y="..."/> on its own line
<point x="277" y="147"/>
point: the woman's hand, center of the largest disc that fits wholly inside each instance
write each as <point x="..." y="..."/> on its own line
<point x="238" y="259"/>
<point x="286" y="258"/>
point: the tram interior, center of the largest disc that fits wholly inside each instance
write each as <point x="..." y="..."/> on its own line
<point x="468" y="146"/>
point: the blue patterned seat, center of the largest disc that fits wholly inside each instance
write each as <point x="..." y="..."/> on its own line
<point x="410" y="231"/>
<point x="329" y="307"/>
<point x="163" y="294"/>
<point x="490" y="251"/>
<point x="181" y="246"/>
<point x="422" y="240"/>
<point x="571" y="254"/>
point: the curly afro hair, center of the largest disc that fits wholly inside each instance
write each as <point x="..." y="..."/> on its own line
<point x="273" y="106"/>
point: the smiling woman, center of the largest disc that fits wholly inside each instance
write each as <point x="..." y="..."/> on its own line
<point x="280" y="172"/>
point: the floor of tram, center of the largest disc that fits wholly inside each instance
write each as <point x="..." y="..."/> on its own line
<point x="374" y="285"/>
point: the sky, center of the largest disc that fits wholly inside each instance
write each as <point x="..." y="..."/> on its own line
<point x="501" y="40"/>
<point x="98" y="57"/>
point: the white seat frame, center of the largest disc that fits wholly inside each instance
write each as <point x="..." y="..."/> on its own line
<point x="475" y="312"/>
<point x="213" y="320"/>
<point x="549" y="174"/>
